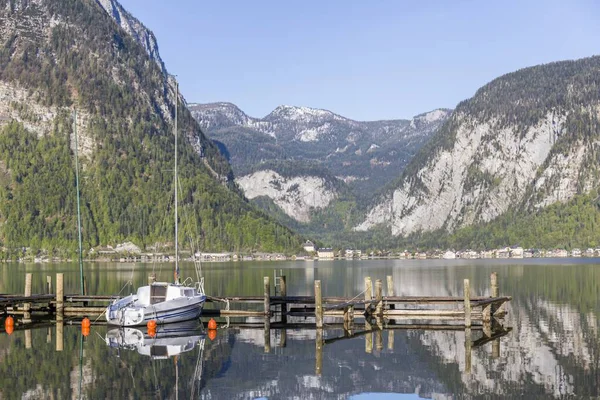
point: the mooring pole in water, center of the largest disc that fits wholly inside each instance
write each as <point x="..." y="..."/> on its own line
<point x="267" y="312"/>
<point x="494" y="291"/>
<point x="27" y="306"/>
<point x="379" y="298"/>
<point x="390" y="293"/>
<point x="48" y="285"/>
<point x="390" y="289"/>
<point x="60" y="297"/>
<point x="283" y="293"/>
<point x="368" y="295"/>
<point x="267" y="295"/>
<point x="467" y="303"/>
<point x="318" y="305"/>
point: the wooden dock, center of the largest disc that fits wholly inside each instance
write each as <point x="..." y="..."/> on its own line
<point x="371" y="303"/>
<point x="275" y="309"/>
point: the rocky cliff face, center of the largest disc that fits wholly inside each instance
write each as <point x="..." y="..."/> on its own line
<point x="365" y="155"/>
<point x="524" y="141"/>
<point x="296" y="196"/>
<point x="135" y="28"/>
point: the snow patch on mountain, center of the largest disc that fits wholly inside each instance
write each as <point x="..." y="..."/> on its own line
<point x="296" y="196"/>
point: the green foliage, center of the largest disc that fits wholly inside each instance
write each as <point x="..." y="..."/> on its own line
<point x="126" y="180"/>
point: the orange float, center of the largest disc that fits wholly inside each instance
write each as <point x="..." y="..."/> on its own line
<point x="151" y="324"/>
<point x="85" y="331"/>
<point x="85" y="323"/>
<point x="212" y="334"/>
<point x="9" y="325"/>
<point x="212" y="324"/>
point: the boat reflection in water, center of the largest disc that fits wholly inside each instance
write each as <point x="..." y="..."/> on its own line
<point x="166" y="341"/>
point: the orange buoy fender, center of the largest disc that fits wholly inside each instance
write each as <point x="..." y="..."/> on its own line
<point x="151" y="324"/>
<point x="9" y="325"/>
<point x="85" y="323"/>
<point x="85" y="330"/>
<point x="212" y="324"/>
<point x="212" y="334"/>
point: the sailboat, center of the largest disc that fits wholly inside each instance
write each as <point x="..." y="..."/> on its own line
<point x="163" y="302"/>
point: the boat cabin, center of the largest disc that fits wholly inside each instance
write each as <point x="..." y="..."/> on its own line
<point x="162" y="291"/>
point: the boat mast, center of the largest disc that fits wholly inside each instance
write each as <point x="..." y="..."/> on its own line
<point x="176" y="183"/>
<point x="78" y="204"/>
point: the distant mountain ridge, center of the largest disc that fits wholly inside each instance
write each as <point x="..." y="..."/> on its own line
<point x="364" y="155"/>
<point x="371" y="152"/>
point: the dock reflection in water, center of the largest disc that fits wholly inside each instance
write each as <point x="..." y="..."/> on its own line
<point x="552" y="350"/>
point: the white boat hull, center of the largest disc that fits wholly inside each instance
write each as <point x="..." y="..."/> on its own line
<point x="131" y="310"/>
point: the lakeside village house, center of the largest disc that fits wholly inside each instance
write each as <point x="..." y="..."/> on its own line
<point x="129" y="252"/>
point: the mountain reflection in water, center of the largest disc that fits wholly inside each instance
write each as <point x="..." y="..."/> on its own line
<point x="553" y="350"/>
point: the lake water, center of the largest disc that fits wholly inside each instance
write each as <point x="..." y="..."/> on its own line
<point x="553" y="350"/>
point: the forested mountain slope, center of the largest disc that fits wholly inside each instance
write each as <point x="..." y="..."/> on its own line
<point x="526" y="140"/>
<point x="60" y="55"/>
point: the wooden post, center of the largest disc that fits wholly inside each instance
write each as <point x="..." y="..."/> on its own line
<point x="27" y="306"/>
<point x="267" y="294"/>
<point x="318" y="305"/>
<point x="49" y="335"/>
<point x="468" y="346"/>
<point x="390" y="339"/>
<point x="48" y="285"/>
<point x="283" y="292"/>
<point x="60" y="297"/>
<point x="368" y="294"/>
<point x="390" y="289"/>
<point x="319" y="352"/>
<point x="379" y="298"/>
<point x="467" y="304"/>
<point x="494" y="292"/>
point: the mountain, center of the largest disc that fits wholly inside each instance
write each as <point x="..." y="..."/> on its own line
<point x="524" y="141"/>
<point x="95" y="57"/>
<point x="326" y="157"/>
<point x="366" y="155"/>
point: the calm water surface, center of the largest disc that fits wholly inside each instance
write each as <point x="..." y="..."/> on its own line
<point x="553" y="350"/>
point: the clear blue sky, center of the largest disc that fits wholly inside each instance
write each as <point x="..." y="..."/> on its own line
<point x="365" y="60"/>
